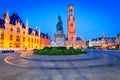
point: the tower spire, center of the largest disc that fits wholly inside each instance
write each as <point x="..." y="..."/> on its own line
<point x="26" y="22"/>
<point x="103" y="35"/>
<point x="39" y="29"/>
<point x="7" y="13"/>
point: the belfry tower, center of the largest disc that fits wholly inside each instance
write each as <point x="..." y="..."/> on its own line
<point x="71" y="34"/>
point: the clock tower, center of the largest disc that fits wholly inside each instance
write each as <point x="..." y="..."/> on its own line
<point x="71" y="34"/>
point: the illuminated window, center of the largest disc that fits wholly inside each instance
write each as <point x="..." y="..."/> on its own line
<point x="17" y="38"/>
<point x="28" y="39"/>
<point x="11" y="37"/>
<point x="2" y="36"/>
<point x="23" y="39"/>
<point x="18" y="30"/>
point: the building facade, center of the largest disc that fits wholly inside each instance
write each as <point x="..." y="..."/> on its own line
<point x="14" y="35"/>
<point x="118" y="41"/>
<point x="102" y="43"/>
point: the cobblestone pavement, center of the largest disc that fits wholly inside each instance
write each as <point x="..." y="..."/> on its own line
<point x="9" y="72"/>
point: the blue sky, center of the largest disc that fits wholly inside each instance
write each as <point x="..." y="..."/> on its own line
<point x="93" y="17"/>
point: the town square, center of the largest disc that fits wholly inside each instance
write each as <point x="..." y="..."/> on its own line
<point x="60" y="40"/>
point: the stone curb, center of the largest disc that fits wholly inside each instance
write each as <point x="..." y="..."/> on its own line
<point x="61" y="58"/>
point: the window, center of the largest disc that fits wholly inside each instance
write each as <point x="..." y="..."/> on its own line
<point x="23" y="39"/>
<point x="32" y="40"/>
<point x="71" y="24"/>
<point x="11" y="37"/>
<point x="28" y="39"/>
<point x="2" y="36"/>
<point x="18" y="30"/>
<point x="10" y="45"/>
<point x="11" y="29"/>
<point x="35" y="40"/>
<point x="17" y="38"/>
<point x="23" y="32"/>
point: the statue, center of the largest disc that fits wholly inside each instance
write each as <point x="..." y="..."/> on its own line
<point x="59" y="24"/>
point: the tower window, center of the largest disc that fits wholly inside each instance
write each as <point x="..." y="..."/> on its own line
<point x="70" y="10"/>
<point x="71" y="24"/>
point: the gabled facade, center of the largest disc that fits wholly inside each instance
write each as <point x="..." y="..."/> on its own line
<point x="118" y="41"/>
<point x="102" y="43"/>
<point x="15" y="35"/>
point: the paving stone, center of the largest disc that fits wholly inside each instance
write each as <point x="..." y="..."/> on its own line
<point x="10" y="72"/>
